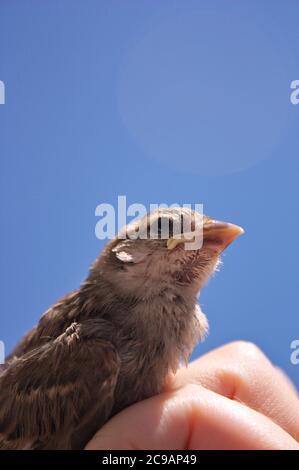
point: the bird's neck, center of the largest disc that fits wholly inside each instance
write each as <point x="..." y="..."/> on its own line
<point x="165" y="323"/>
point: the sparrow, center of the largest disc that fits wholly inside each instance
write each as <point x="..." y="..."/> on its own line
<point x="114" y="340"/>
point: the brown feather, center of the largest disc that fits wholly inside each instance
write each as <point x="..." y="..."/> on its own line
<point x="108" y="344"/>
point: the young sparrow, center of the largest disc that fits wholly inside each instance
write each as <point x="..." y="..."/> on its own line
<point x="113" y="341"/>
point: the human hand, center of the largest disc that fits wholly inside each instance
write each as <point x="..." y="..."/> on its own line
<point x="230" y="398"/>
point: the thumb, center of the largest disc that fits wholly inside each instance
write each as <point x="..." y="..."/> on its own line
<point x="190" y="418"/>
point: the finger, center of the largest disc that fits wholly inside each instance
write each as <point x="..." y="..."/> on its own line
<point x="240" y="371"/>
<point x="191" y="418"/>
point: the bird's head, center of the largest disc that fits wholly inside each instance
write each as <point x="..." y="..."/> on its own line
<point x="177" y="248"/>
<point x="173" y="248"/>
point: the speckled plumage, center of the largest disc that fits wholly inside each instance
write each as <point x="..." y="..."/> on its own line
<point x="110" y="343"/>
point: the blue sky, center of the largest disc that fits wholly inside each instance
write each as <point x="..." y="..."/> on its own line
<point x="169" y="101"/>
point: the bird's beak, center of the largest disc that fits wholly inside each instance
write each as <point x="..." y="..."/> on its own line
<point x="219" y="234"/>
<point x="173" y="242"/>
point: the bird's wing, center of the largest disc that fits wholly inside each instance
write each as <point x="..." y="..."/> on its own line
<point x="53" y="322"/>
<point x="52" y="390"/>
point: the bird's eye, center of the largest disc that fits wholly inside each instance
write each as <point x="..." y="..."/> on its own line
<point x="163" y="226"/>
<point x="182" y="223"/>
